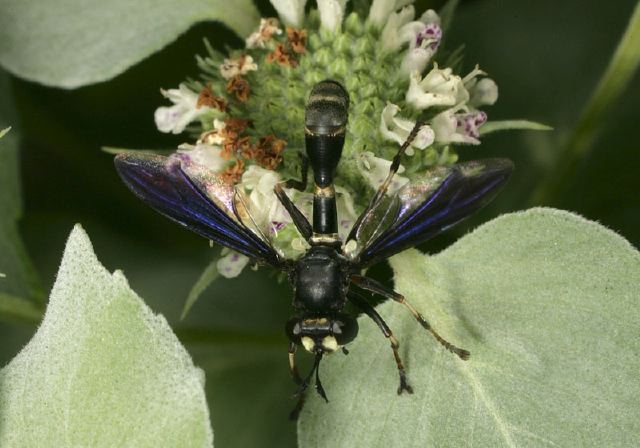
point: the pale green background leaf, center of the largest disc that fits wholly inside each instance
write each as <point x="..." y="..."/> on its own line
<point x="613" y="83"/>
<point x="510" y="125"/>
<point x="71" y="43"/>
<point x="547" y="303"/>
<point x="102" y="369"/>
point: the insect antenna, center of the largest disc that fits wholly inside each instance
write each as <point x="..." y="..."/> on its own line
<point x="319" y="387"/>
<point x="300" y="393"/>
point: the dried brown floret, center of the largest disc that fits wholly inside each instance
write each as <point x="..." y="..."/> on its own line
<point x="282" y="56"/>
<point x="297" y="39"/>
<point x="206" y="98"/>
<point x="268" y="152"/>
<point x="233" y="174"/>
<point x="240" y="87"/>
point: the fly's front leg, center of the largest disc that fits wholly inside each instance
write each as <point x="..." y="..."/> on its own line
<point x="366" y="307"/>
<point x="376" y="287"/>
<point x="295" y="413"/>
<point x="300" y="221"/>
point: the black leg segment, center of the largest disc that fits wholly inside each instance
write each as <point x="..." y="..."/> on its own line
<point x="366" y="307"/>
<point x="376" y="287"/>
<point x="300" y="221"/>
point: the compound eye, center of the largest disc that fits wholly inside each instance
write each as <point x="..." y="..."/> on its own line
<point x="345" y="329"/>
<point x="293" y="329"/>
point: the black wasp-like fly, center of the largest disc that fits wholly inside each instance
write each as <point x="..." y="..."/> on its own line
<point x="329" y="273"/>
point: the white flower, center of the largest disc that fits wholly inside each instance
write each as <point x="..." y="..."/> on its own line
<point x="240" y="66"/>
<point x="424" y="37"/>
<point x="451" y="127"/>
<point x="214" y="137"/>
<point x="231" y="264"/>
<point x="437" y="88"/>
<point x="376" y="170"/>
<point x="347" y="215"/>
<point x="331" y="13"/>
<point x="268" y="27"/>
<point x="202" y="156"/>
<point x="398" y="129"/>
<point x="291" y="12"/>
<point x="483" y="93"/>
<point x="264" y="205"/>
<point x="381" y="10"/>
<point x="184" y="110"/>
<point x="391" y="37"/>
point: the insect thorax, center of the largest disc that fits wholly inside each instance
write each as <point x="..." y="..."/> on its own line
<point x="320" y="281"/>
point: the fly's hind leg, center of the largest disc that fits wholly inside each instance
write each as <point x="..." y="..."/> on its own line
<point x="366" y="307"/>
<point x="372" y="285"/>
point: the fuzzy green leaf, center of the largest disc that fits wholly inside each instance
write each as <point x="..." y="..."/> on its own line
<point x="547" y="303"/>
<point x="102" y="369"/>
<point x="71" y="43"/>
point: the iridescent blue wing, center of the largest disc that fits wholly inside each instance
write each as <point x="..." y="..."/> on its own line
<point x="197" y="199"/>
<point x="426" y="207"/>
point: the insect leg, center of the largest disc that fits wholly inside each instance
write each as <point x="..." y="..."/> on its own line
<point x="292" y="363"/>
<point x="300" y="221"/>
<point x="376" y="287"/>
<point x="304" y="384"/>
<point x="301" y="184"/>
<point x="382" y="190"/>
<point x="366" y="307"/>
<point x="395" y="163"/>
<point x="295" y="413"/>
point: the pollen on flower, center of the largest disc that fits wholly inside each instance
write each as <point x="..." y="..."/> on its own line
<point x="240" y="87"/>
<point x="297" y="39"/>
<point x="206" y="98"/>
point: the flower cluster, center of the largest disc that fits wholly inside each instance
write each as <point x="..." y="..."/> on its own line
<point x="246" y="113"/>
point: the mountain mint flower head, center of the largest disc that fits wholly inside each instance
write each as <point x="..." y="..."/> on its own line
<point x="243" y="118"/>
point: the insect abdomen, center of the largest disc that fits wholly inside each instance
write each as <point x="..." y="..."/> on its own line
<point x="326" y="117"/>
